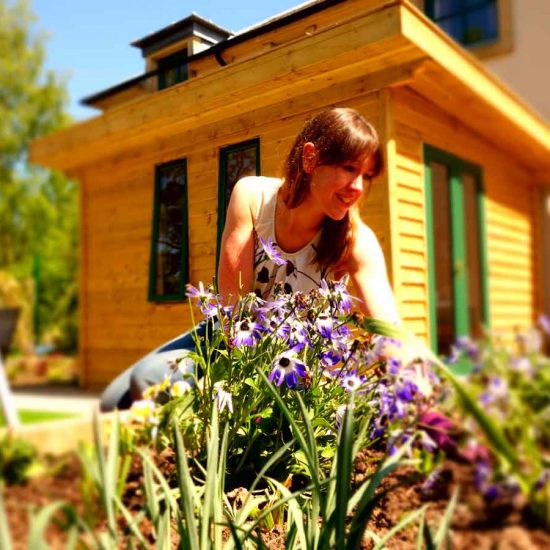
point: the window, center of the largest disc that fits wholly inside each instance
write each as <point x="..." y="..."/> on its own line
<point x="169" y="258"/>
<point x="236" y="162"/>
<point x="172" y="70"/>
<point x="456" y="248"/>
<point x="484" y="25"/>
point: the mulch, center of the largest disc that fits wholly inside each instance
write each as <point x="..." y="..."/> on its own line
<point x="476" y="524"/>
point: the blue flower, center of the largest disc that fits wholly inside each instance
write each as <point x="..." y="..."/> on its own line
<point x="271" y="251"/>
<point x="287" y="367"/>
<point x="245" y="333"/>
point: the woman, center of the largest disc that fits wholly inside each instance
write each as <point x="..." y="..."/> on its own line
<point x="293" y="231"/>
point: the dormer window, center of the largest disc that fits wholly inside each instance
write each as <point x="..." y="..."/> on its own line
<point x="172" y="70"/>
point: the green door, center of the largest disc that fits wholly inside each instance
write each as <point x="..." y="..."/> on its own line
<point x="456" y="249"/>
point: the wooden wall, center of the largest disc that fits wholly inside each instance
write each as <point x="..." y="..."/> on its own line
<point x="118" y="323"/>
<point x="510" y="214"/>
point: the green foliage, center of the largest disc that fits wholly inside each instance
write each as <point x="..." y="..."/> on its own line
<point x="508" y="394"/>
<point x="38" y="208"/>
<point x="16" y="459"/>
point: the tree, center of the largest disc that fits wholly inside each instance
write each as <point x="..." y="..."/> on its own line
<point x="38" y="208"/>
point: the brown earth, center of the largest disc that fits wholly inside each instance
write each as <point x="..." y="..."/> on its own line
<point x="502" y="525"/>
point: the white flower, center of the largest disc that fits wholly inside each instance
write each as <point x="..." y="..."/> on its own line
<point x="225" y="398"/>
<point x="179" y="388"/>
<point x="143" y="411"/>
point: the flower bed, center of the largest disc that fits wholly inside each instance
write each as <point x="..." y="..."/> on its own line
<point x="306" y="426"/>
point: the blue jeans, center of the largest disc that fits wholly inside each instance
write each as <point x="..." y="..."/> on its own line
<point x="129" y="386"/>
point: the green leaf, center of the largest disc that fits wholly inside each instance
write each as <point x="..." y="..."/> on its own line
<point x="38" y="523"/>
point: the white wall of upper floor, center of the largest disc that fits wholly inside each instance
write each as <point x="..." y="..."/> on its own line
<point x="526" y="68"/>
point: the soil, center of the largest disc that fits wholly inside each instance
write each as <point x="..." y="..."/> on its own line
<point x="500" y="525"/>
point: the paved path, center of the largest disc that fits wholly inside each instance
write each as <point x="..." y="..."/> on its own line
<point x="56" y="398"/>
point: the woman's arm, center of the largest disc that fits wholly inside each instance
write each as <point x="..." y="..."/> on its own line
<point x="237" y="246"/>
<point x="367" y="269"/>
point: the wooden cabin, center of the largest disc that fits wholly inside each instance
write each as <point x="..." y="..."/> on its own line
<point x="455" y="211"/>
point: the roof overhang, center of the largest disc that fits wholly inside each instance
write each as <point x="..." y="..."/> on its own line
<point x="388" y="39"/>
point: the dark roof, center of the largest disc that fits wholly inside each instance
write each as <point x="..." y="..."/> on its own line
<point x="270" y="24"/>
<point x="192" y="25"/>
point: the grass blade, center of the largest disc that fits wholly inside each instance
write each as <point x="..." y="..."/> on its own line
<point x="5" y="535"/>
<point x="401" y="525"/>
<point x="38" y="523"/>
<point x="444" y="526"/>
<point x="207" y="513"/>
<point x="344" y="458"/>
<point x="151" y="501"/>
<point x="187" y="492"/>
<point x="131" y="521"/>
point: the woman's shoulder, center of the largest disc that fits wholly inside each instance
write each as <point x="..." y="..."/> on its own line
<point x="256" y="191"/>
<point x="256" y="184"/>
<point x="364" y="247"/>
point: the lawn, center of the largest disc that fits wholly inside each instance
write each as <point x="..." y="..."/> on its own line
<point x="33" y="417"/>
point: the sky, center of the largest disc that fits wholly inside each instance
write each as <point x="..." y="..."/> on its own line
<point x="89" y="40"/>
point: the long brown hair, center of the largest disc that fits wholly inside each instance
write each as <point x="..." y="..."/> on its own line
<point x="340" y="135"/>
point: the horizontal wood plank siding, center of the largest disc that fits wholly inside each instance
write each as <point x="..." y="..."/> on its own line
<point x="120" y="324"/>
<point x="510" y="212"/>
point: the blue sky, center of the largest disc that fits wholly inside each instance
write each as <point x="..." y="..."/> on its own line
<point x="89" y="39"/>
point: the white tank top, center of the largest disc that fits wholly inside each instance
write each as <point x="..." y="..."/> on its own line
<point x="299" y="272"/>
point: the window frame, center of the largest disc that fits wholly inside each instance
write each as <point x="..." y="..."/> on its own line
<point x="222" y="183"/>
<point x="456" y="168"/>
<point x="184" y="267"/>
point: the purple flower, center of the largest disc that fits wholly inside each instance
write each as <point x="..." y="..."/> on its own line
<point x="394" y="366"/>
<point x="544" y="322"/>
<point x="275" y="326"/>
<point x="297" y="332"/>
<point x="543" y="479"/>
<point x="406" y="390"/>
<point x="199" y="293"/>
<point x="464" y="344"/>
<point x="330" y="358"/>
<point x="205" y="299"/>
<point x="337" y="294"/>
<point x="440" y="429"/>
<point x="324" y="325"/>
<point x="497" y="391"/>
<point x="287" y="367"/>
<point x="352" y="382"/>
<point x="271" y="251"/>
<point x="245" y="333"/>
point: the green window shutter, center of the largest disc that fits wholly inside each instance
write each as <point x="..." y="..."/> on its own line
<point x="458" y="247"/>
<point x="169" y="264"/>
<point x="236" y="162"/>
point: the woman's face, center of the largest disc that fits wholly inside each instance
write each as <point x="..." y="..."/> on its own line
<point x="335" y="188"/>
